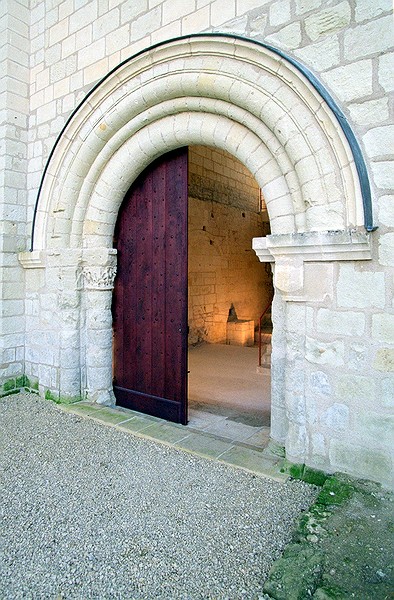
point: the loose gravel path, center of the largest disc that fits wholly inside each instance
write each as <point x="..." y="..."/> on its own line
<point x="87" y="511"/>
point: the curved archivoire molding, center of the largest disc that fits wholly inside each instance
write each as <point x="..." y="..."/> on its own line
<point x="214" y="89"/>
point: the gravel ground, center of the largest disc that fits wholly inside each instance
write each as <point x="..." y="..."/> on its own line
<point x="90" y="512"/>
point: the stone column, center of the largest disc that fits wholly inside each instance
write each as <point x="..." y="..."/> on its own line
<point x="303" y="283"/>
<point x="279" y="423"/>
<point x="98" y="286"/>
<point x="69" y="319"/>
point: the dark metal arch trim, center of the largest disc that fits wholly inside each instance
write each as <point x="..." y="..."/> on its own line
<point x="319" y="87"/>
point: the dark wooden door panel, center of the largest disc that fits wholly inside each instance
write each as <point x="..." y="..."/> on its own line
<point x="150" y="296"/>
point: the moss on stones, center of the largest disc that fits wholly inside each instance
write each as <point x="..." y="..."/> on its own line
<point x="50" y="396"/>
<point x="336" y="491"/>
<point x="329" y="593"/>
<point x="22" y="382"/>
<point x="341" y="546"/>
<point x="15" y="384"/>
<point x="295" y="575"/>
<point x="61" y="399"/>
<point x="305" y="473"/>
<point x="9" y="385"/>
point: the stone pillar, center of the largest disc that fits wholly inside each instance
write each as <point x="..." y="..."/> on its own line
<point x="98" y="285"/>
<point x="69" y="317"/>
<point x="279" y="423"/>
<point x="303" y="283"/>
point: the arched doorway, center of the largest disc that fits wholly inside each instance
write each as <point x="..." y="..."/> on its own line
<point x="165" y="265"/>
<point x="229" y="93"/>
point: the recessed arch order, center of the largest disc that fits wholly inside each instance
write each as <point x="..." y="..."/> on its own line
<point x="218" y="90"/>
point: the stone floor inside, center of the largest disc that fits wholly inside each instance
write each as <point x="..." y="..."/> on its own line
<point x="229" y="396"/>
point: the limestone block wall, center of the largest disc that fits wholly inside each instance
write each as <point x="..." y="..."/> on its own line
<point x="349" y="378"/>
<point x="14" y="110"/>
<point x="217" y="175"/>
<point x="224" y="216"/>
<point x="223" y="271"/>
<point x="333" y="349"/>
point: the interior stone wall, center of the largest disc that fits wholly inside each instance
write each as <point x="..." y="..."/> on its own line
<point x="224" y="272"/>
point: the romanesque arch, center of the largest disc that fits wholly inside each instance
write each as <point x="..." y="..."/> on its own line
<point x="216" y="90"/>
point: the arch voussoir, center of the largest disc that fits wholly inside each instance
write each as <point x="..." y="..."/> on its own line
<point x="271" y="104"/>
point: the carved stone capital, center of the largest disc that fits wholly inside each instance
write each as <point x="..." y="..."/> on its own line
<point x="99" y="278"/>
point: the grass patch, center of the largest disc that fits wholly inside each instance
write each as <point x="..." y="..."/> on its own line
<point x="341" y="547"/>
<point x="61" y="399"/>
<point x="305" y="473"/>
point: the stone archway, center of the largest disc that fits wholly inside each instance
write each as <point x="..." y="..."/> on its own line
<point x="221" y="91"/>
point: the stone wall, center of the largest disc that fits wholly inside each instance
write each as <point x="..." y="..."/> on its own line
<point x="224" y="216"/>
<point x="14" y="110"/>
<point x="215" y="175"/>
<point x="333" y="348"/>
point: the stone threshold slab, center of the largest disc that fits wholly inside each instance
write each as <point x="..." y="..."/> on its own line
<point x="204" y="444"/>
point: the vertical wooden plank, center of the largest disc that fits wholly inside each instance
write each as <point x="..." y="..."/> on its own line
<point x="144" y="306"/>
<point x="158" y="280"/>
<point x="176" y="281"/>
<point x="130" y="297"/>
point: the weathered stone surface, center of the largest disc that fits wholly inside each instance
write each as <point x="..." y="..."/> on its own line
<point x="383" y="327"/>
<point x="323" y="54"/>
<point x="295" y="318"/>
<point x="279" y="12"/>
<point x="361" y="461"/>
<point x="347" y="323"/>
<point x="320" y="383"/>
<point x="384" y="360"/>
<point x="336" y="417"/>
<point x="318" y="281"/>
<point x="327" y="22"/>
<point x="220" y="13"/>
<point x="348" y="82"/>
<point x="386" y="249"/>
<point x="386" y="68"/>
<point x="360" y="289"/>
<point x="386" y="210"/>
<point x="383" y="174"/>
<point x="387" y="391"/>
<point x="365" y="9"/>
<point x="357" y="356"/>
<point x="287" y="37"/>
<point x="296" y="442"/>
<point x="377" y="140"/>
<point x="367" y="39"/>
<point x="304" y="6"/>
<point x="319" y="446"/>
<point x="289" y="276"/>
<point x="325" y="353"/>
<point x="370" y="112"/>
<point x="245" y="5"/>
<point x="375" y="427"/>
<point x="355" y="390"/>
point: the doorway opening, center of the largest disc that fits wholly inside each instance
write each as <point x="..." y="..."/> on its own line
<point x="229" y="296"/>
<point x="189" y="295"/>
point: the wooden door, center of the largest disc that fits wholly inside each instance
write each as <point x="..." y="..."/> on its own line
<point x="150" y="295"/>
